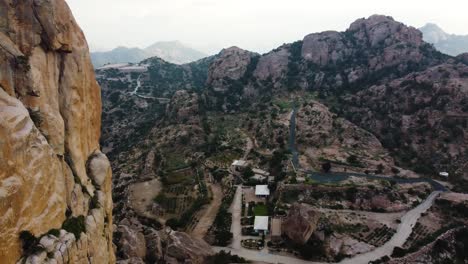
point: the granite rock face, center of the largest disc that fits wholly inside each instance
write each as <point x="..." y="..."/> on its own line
<point x="182" y="247"/>
<point x="424" y="113"/>
<point x="370" y="50"/>
<point x="50" y="121"/>
<point x="230" y="65"/>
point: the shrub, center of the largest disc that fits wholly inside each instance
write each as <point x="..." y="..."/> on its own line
<point x="326" y="167"/>
<point x="54" y="232"/>
<point x="223" y="237"/>
<point x="29" y="243"/>
<point x="225" y="258"/>
<point x="75" y="225"/>
<point x="173" y="223"/>
<point x="398" y="252"/>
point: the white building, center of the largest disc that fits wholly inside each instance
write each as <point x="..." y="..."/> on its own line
<point x="444" y="174"/>
<point x="262" y="191"/>
<point x="258" y="177"/>
<point x="261" y="172"/>
<point x="261" y="224"/>
<point x="238" y="166"/>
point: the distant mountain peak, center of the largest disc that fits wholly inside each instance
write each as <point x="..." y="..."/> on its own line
<point x="445" y="42"/>
<point x="171" y="51"/>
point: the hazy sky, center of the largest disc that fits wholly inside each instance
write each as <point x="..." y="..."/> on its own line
<point x="257" y="25"/>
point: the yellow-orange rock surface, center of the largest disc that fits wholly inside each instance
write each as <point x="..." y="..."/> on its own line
<point x="51" y="167"/>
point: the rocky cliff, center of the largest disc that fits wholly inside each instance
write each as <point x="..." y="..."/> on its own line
<point x="55" y="184"/>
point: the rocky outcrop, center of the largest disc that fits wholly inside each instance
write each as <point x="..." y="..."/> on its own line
<point x="372" y="50"/>
<point x="139" y="243"/>
<point x="183" y="248"/>
<point x="273" y="65"/>
<point x="230" y="65"/>
<point x="51" y="170"/>
<point x="183" y="107"/>
<point x="322" y="135"/>
<point x="300" y="223"/>
<point x="422" y="116"/>
<point x="325" y="48"/>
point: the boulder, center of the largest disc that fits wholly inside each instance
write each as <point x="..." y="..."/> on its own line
<point x="182" y="247"/>
<point x="300" y="223"/>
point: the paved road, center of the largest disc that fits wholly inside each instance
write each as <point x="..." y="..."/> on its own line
<point x="408" y="221"/>
<point x="236" y="211"/>
<point x="405" y="228"/>
<point x="137" y="87"/>
<point x="248" y="147"/>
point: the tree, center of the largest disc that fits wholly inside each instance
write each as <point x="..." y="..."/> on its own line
<point x="326" y="167"/>
<point x="306" y="251"/>
<point x="248" y="173"/>
<point x="173" y="223"/>
<point x="223" y="237"/>
<point x="352" y="160"/>
<point x="380" y="169"/>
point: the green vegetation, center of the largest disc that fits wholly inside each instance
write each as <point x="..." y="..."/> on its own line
<point x="261" y="210"/>
<point x="29" y="243"/>
<point x="222" y="223"/>
<point x="294" y="66"/>
<point x="75" y="225"/>
<point x="54" y="232"/>
<point x="283" y="104"/>
<point x="225" y="258"/>
<point x="248" y="173"/>
<point x="179" y="177"/>
<point x="174" y="160"/>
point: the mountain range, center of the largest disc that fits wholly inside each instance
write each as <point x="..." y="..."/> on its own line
<point x="374" y="98"/>
<point x="447" y="43"/>
<point x="170" y="51"/>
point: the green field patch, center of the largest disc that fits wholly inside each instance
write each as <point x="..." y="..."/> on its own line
<point x="184" y="176"/>
<point x="174" y="161"/>
<point x="260" y="210"/>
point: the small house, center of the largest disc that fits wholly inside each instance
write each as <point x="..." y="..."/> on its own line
<point x="258" y="177"/>
<point x="261" y="172"/>
<point x="262" y="191"/>
<point x="261" y="224"/>
<point x="238" y="166"/>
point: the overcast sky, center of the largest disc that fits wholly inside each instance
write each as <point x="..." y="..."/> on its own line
<point x="257" y="25"/>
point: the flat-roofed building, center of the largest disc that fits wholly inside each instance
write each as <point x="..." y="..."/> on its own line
<point x="238" y="166"/>
<point x="261" y="172"/>
<point x="258" y="177"/>
<point x="261" y="224"/>
<point x="262" y="191"/>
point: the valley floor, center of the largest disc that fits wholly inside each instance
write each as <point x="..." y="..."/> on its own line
<point x="404" y="229"/>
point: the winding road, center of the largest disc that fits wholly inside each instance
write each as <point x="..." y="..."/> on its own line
<point x="135" y="92"/>
<point x="408" y="221"/>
